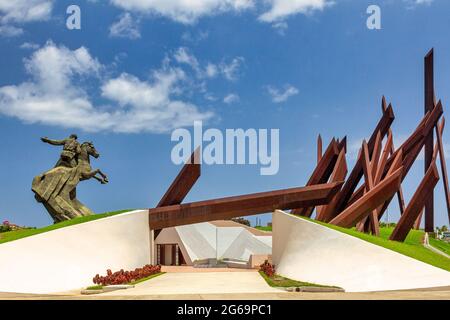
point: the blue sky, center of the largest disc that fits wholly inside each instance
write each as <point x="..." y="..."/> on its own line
<point x="139" y="69"/>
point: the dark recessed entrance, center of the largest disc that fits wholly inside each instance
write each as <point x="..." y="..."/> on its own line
<point x="169" y="255"/>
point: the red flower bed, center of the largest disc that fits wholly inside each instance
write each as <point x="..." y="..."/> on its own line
<point x="123" y="277"/>
<point x="267" y="268"/>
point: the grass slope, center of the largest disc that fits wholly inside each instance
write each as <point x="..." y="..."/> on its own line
<point x="279" y="281"/>
<point x="412" y="247"/>
<point x="440" y="245"/>
<point x="267" y="228"/>
<point x="19" y="234"/>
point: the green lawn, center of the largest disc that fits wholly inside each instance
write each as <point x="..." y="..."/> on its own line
<point x="279" y="281"/>
<point x="441" y="245"/>
<point x="412" y="247"/>
<point x="99" y="287"/>
<point x="19" y="234"/>
<point x="414" y="238"/>
<point x="264" y="228"/>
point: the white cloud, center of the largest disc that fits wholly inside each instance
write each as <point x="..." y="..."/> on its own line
<point x="353" y="148"/>
<point x="229" y="70"/>
<point x="21" y="11"/>
<point x="421" y="1"/>
<point x="29" y="45"/>
<point x="18" y="12"/>
<point x="184" y="11"/>
<point x="194" y="37"/>
<point x="183" y="56"/>
<point x="282" y="95"/>
<point x="211" y="70"/>
<point x="51" y="97"/>
<point x="210" y="97"/>
<point x="413" y="4"/>
<point x="231" y="98"/>
<point x="125" y="27"/>
<point x="10" y="31"/>
<point x="280" y="27"/>
<point x="281" y="9"/>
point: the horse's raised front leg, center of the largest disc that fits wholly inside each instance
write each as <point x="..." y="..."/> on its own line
<point x="104" y="176"/>
<point x="101" y="180"/>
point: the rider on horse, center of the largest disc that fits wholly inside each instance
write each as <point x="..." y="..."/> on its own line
<point x="56" y="188"/>
<point x="70" y="152"/>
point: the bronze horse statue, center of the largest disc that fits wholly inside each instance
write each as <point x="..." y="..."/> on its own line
<point x="56" y="188"/>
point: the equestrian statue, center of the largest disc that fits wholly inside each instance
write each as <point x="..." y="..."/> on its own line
<point x="56" y="189"/>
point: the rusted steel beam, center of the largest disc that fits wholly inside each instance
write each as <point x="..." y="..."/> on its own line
<point x="416" y="204"/>
<point x="368" y="179"/>
<point x="321" y="174"/>
<point x="380" y="170"/>
<point x="375" y="159"/>
<point x="227" y="208"/>
<point x="370" y="201"/>
<point x="357" y="195"/>
<point x="343" y="144"/>
<point x="416" y="140"/>
<point x="391" y="148"/>
<point x="429" y="140"/>
<point x="401" y="200"/>
<point x="397" y="163"/>
<point x="339" y="174"/>
<point x="440" y="130"/>
<point x="435" y="154"/>
<point x="384" y="156"/>
<point x="356" y="174"/>
<point x="411" y="157"/>
<point x="418" y="220"/>
<point x="440" y="144"/>
<point x="413" y="145"/>
<point x="319" y="149"/>
<point x="182" y="184"/>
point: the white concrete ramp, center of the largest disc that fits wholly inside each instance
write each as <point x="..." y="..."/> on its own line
<point x="68" y="258"/>
<point x="307" y="251"/>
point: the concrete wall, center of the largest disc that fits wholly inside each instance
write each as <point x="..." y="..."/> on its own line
<point x="243" y="245"/>
<point x="201" y="240"/>
<point x="307" y="251"/>
<point x="70" y="257"/>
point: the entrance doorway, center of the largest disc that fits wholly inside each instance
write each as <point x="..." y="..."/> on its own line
<point x="169" y="255"/>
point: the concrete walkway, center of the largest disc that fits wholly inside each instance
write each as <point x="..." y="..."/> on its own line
<point x="199" y="283"/>
<point x="427" y="245"/>
<point x="422" y="294"/>
<point x="190" y="269"/>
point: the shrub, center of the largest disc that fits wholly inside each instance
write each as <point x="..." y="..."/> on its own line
<point x="243" y="221"/>
<point x="5" y="226"/>
<point x="124" y="277"/>
<point x="267" y="268"/>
